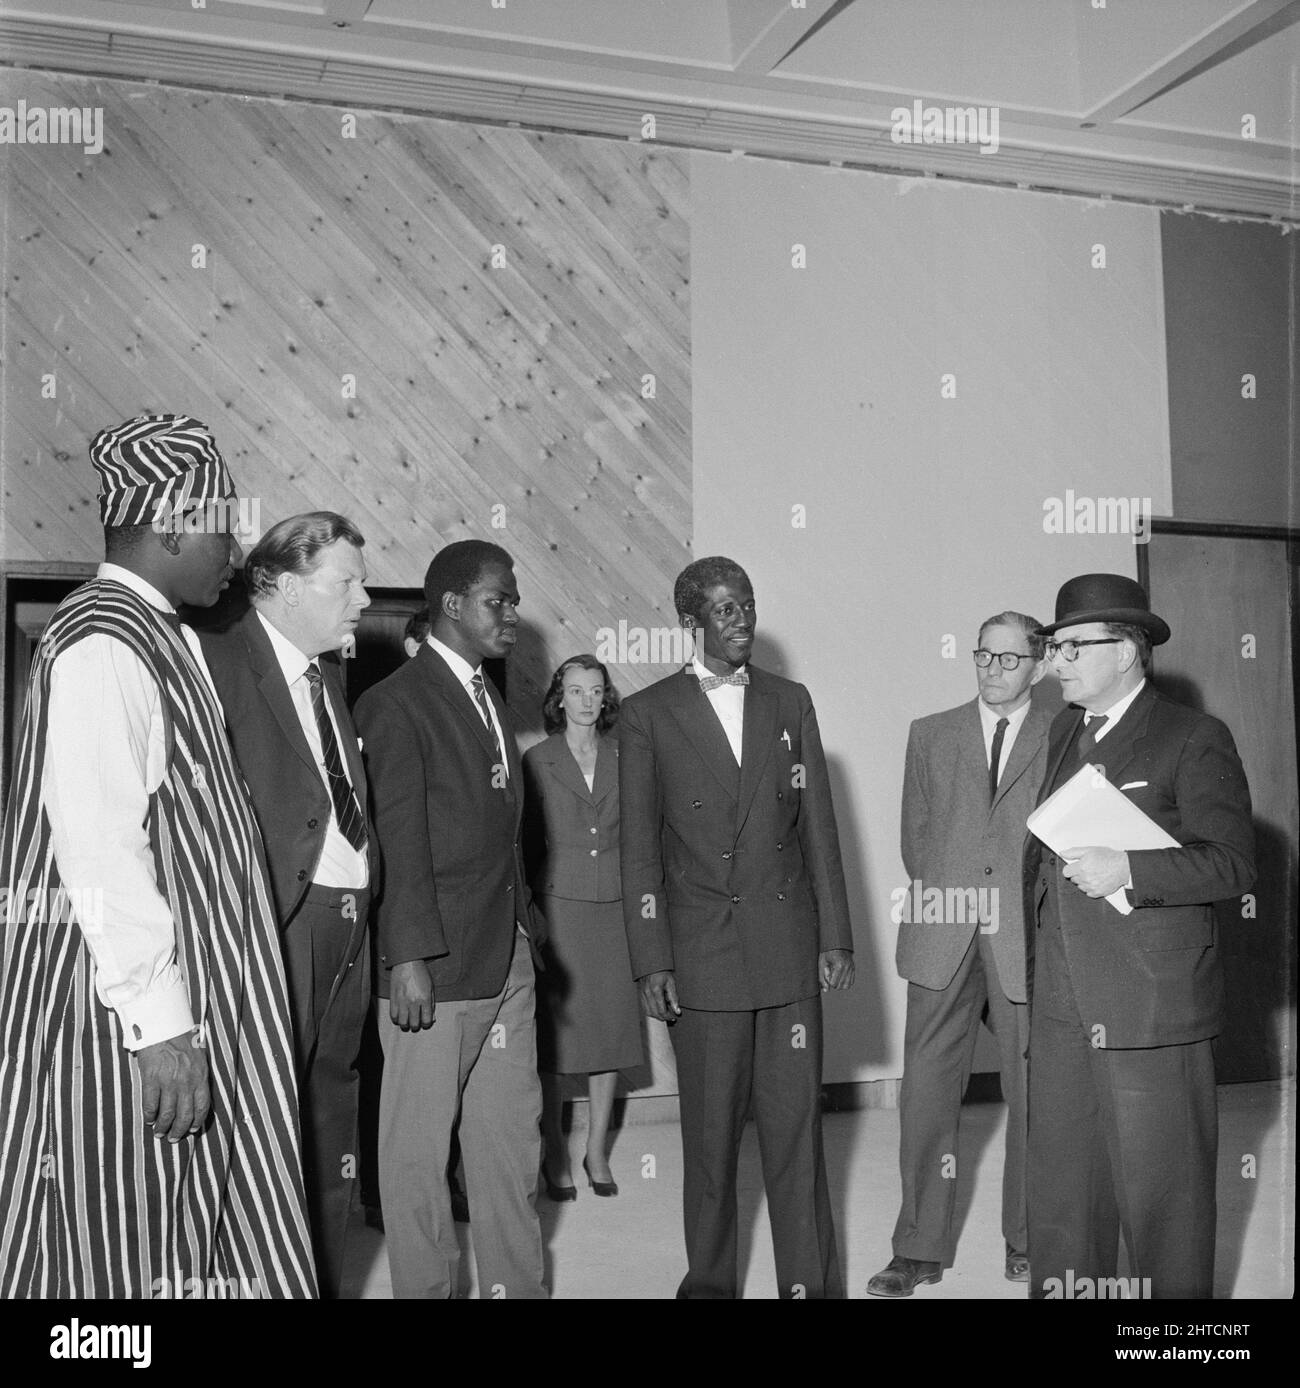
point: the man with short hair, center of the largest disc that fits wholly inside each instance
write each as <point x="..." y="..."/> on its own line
<point x="277" y="674"/>
<point x="971" y="776"/>
<point x="142" y="985"/>
<point x="455" y="959"/>
<point x="1123" y="1123"/>
<point x="737" y="920"/>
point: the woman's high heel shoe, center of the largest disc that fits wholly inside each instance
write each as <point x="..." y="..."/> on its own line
<point x="600" y="1187"/>
<point x="558" y="1193"/>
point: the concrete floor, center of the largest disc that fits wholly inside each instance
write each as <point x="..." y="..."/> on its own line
<point x="631" y="1246"/>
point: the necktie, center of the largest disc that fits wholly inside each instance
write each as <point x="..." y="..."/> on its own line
<point x="1092" y="725"/>
<point x="481" y="699"/>
<point x="995" y="759"/>
<point x="352" y="824"/>
<point x="708" y="682"/>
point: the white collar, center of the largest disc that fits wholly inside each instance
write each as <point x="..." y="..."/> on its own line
<point x="1117" y="710"/>
<point x="128" y="578"/>
<point x="990" y="717"/>
<point x="292" y="661"/>
<point x="459" y="666"/>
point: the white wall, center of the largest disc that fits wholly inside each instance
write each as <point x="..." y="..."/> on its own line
<point x="820" y="388"/>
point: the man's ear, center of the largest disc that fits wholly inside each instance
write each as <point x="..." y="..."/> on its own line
<point x="289" y="587"/>
<point x="170" y="539"/>
<point x="1038" y="673"/>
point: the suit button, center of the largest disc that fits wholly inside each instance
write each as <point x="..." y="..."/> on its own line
<point x="726" y="857"/>
<point x="312" y="823"/>
<point x="696" y="804"/>
<point x="988" y="872"/>
<point x="595" y="852"/>
<point x="779" y="847"/>
<point x="780" y="896"/>
<point x="302" y="874"/>
<point x="735" y="901"/>
<point x="780" y="795"/>
<point x="511" y="887"/>
<point x="593" y="828"/>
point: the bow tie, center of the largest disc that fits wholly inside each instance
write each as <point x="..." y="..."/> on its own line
<point x="708" y="682"/>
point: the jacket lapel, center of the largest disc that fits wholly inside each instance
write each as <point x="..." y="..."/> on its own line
<point x="459" y="700"/>
<point x="1028" y="740"/>
<point x="273" y="687"/>
<point x="606" y="778"/>
<point x="975" y="762"/>
<point x="1117" y="749"/>
<point x="761" y="716"/>
<point x="567" y="770"/>
<point x="700" y="724"/>
<point x="1063" y="739"/>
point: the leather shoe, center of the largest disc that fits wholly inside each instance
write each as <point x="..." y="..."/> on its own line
<point x="1017" y="1265"/>
<point x="600" y="1187"/>
<point x="558" y="1193"/>
<point x="903" y="1276"/>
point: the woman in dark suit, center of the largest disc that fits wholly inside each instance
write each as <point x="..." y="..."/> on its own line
<point x="588" y="1013"/>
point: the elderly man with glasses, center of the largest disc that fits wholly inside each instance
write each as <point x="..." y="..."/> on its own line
<point x="1123" y="1123"/>
<point x="971" y="776"/>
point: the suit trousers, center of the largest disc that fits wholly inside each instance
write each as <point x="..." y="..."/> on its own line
<point x="480" y="1056"/>
<point x="1120" y="1141"/>
<point x="938" y="1048"/>
<point x="772" y="1057"/>
<point x="328" y="968"/>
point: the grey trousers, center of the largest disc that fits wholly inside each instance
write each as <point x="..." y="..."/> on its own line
<point x="480" y="1055"/>
<point x="938" y="1047"/>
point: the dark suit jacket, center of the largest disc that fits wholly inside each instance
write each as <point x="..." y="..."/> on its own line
<point x="453" y="886"/>
<point x="952" y="838"/>
<point x="571" y="833"/>
<point x="731" y="875"/>
<point x="1153" y="978"/>
<point x="289" y="797"/>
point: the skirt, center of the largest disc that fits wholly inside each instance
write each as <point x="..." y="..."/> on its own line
<point x="588" y="1007"/>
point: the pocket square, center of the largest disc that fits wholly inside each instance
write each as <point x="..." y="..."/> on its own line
<point x="361" y="744"/>
<point x="1135" y="785"/>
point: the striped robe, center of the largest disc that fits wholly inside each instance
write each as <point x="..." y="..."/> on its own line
<point x="91" y="1203"/>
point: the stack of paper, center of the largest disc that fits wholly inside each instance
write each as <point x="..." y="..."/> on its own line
<point x="1089" y="812"/>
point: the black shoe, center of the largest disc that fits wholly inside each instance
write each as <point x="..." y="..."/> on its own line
<point x="558" y="1193"/>
<point x="1017" y="1265"/>
<point x="374" y="1218"/>
<point x="903" y="1276"/>
<point x="600" y="1187"/>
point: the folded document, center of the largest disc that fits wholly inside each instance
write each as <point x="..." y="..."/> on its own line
<point x="1088" y="812"/>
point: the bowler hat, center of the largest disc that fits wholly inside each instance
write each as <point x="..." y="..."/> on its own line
<point x="1106" y="598"/>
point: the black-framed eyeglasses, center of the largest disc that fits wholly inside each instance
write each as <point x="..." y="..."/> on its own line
<point x="1069" y="650"/>
<point x="1008" y="660"/>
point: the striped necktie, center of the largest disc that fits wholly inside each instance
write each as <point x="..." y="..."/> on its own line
<point x="481" y="699"/>
<point x="352" y="824"/>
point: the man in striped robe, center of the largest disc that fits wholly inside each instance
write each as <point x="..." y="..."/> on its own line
<point x="149" y="1141"/>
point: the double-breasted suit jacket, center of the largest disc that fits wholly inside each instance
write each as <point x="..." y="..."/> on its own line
<point x="1152" y="978"/>
<point x="953" y="837"/>
<point x="731" y="874"/>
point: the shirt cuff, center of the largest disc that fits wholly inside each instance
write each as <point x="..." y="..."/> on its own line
<point x="159" y="1015"/>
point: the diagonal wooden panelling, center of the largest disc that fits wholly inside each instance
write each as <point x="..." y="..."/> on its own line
<point x="510" y="391"/>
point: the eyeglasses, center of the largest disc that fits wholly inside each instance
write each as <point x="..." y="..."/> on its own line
<point x="1069" y="650"/>
<point x="1008" y="660"/>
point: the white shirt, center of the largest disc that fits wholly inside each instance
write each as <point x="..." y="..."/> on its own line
<point x="465" y="672"/>
<point x="989" y="723"/>
<point x="339" y="865"/>
<point x="105" y="755"/>
<point x="728" y="702"/>
<point x="1115" y="712"/>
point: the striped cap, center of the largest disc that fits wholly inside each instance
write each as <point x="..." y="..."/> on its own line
<point x="157" y="466"/>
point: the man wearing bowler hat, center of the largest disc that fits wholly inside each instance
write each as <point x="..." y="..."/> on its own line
<point x="1123" y="1123"/>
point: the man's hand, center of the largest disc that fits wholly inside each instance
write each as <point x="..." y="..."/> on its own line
<point x="659" y="996"/>
<point x="410" y="995"/>
<point x="1097" y="871"/>
<point x="835" y="968"/>
<point x="174" y="1078"/>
